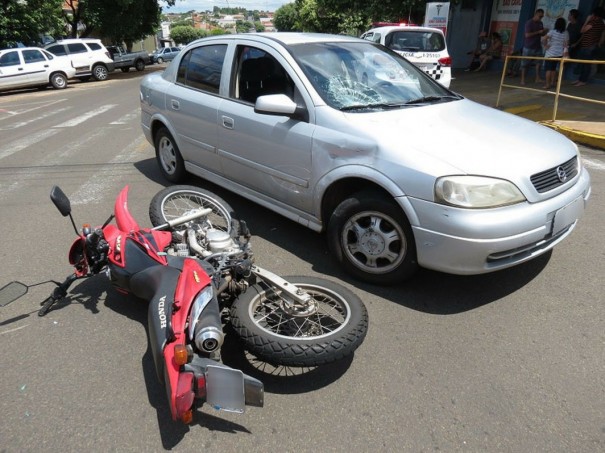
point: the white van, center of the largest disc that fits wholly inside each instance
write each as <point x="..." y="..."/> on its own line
<point x="423" y="46"/>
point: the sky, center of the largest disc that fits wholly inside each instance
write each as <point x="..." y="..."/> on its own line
<point x="182" y="6"/>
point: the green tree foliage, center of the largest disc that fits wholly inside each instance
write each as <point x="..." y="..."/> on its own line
<point x="184" y="34"/>
<point x="286" y="18"/>
<point x="117" y="20"/>
<point x="345" y="16"/>
<point x="27" y="22"/>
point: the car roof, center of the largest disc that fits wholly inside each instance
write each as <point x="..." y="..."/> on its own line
<point x="72" y="40"/>
<point x="20" y="48"/>
<point x="287" y="38"/>
<point x="390" y="28"/>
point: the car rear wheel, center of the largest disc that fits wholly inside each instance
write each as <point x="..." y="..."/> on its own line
<point x="168" y="156"/>
<point x="372" y="239"/>
<point x="139" y="65"/>
<point x="58" y="81"/>
<point x="99" y="72"/>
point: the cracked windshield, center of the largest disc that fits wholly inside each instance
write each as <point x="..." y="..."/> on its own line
<point x="361" y="77"/>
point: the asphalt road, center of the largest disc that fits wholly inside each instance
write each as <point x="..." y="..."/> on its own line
<point x="512" y="361"/>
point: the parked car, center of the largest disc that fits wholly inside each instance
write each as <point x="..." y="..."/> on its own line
<point x="88" y="56"/>
<point x="30" y="67"/>
<point x="164" y="54"/>
<point x="126" y="60"/>
<point x="423" y="46"/>
<point x="397" y="169"/>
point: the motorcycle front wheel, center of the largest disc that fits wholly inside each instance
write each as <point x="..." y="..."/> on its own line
<point x="330" y="328"/>
<point x="176" y="201"/>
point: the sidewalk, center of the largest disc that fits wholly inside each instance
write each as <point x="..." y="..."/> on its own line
<point x="581" y="121"/>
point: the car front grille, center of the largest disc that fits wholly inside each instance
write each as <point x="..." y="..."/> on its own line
<point x="556" y="176"/>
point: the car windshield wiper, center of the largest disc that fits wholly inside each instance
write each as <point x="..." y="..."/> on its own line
<point x="380" y="105"/>
<point x="428" y="99"/>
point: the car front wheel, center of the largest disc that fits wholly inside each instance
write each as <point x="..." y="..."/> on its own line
<point x="372" y="239"/>
<point x="168" y="156"/>
<point x="160" y="60"/>
<point x="139" y="65"/>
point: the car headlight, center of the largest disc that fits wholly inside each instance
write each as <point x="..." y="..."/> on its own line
<point x="476" y="192"/>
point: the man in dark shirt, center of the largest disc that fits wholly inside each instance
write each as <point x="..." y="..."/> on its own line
<point x="593" y="35"/>
<point x="532" y="44"/>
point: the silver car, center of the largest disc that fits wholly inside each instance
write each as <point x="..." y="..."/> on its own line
<point x="345" y="136"/>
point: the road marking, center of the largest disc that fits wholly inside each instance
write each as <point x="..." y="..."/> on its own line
<point x="14" y="110"/>
<point x="103" y="183"/>
<point x="594" y="164"/>
<point x="18" y="145"/>
<point x="41" y="117"/>
<point x="88" y="115"/>
<point x="127" y="118"/>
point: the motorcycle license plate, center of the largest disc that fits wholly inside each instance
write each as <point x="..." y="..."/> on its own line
<point x="225" y="389"/>
<point x="568" y="215"/>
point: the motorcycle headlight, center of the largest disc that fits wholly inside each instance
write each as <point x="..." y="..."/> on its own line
<point x="476" y="192"/>
<point x="199" y="304"/>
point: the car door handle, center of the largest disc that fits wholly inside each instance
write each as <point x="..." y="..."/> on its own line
<point x="227" y="122"/>
<point x="176" y="105"/>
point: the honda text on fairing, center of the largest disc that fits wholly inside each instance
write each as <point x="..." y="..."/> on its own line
<point x="196" y="269"/>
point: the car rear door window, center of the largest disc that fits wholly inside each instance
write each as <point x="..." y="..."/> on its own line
<point x="10" y="59"/>
<point x="94" y="46"/>
<point x="57" y="50"/>
<point x="202" y="67"/>
<point x="76" y="48"/>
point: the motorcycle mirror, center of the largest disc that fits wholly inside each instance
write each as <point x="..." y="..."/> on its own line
<point x="11" y="292"/>
<point x="60" y="200"/>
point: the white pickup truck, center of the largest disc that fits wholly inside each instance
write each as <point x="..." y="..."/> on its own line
<point x="125" y="60"/>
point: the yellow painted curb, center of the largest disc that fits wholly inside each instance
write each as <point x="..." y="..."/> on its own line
<point x="523" y="108"/>
<point x="586" y="138"/>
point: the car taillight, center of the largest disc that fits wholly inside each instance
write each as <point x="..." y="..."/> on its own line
<point x="445" y="61"/>
<point x="184" y="397"/>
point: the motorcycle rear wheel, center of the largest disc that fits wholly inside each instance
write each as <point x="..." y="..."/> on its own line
<point x="176" y="201"/>
<point x="273" y="334"/>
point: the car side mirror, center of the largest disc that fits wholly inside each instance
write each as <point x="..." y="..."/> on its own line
<point x="280" y="104"/>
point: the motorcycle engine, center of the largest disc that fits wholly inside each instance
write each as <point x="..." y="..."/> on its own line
<point x="219" y="241"/>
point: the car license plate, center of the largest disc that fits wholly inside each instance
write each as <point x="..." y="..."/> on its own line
<point x="568" y="215"/>
<point x="225" y="389"/>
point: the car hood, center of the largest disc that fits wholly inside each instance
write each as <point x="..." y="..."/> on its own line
<point x="469" y="137"/>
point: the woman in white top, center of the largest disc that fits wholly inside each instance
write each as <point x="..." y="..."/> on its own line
<point x="556" y="43"/>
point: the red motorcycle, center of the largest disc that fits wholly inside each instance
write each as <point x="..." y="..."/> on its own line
<point x="196" y="269"/>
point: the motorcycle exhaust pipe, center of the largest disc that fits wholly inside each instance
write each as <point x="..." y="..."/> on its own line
<point x="208" y="333"/>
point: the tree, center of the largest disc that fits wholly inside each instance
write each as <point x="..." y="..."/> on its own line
<point x="118" y="20"/>
<point x="286" y="18"/>
<point x="27" y="21"/>
<point x="184" y="34"/>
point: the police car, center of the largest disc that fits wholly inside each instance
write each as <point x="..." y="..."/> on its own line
<point x="423" y="46"/>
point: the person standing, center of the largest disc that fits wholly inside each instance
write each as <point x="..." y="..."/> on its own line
<point x="556" y="43"/>
<point x="593" y="35"/>
<point x="532" y="45"/>
<point x="574" y="31"/>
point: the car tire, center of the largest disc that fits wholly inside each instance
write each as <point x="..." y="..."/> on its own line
<point x="160" y="60"/>
<point x="58" y="81"/>
<point x="139" y="65"/>
<point x="125" y="69"/>
<point x="372" y="239"/>
<point x="168" y="156"/>
<point x="100" y="72"/>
